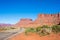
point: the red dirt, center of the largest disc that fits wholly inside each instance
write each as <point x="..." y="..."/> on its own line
<point x="34" y="36"/>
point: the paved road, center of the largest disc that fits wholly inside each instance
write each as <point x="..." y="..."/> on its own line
<point x="6" y="35"/>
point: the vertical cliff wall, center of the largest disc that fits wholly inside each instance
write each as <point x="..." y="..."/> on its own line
<point x="42" y="19"/>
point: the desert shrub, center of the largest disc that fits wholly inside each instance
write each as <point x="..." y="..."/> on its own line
<point x="45" y="26"/>
<point x="45" y="30"/>
<point x="29" y="30"/>
<point x="56" y="28"/>
<point x="38" y="29"/>
<point x="7" y="28"/>
<point x="12" y="28"/>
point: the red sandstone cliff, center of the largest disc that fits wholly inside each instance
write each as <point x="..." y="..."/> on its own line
<point x="24" y="22"/>
<point x="42" y="19"/>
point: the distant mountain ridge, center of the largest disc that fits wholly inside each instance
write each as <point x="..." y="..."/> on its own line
<point x="5" y="25"/>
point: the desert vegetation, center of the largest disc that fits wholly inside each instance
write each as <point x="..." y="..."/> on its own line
<point x="43" y="30"/>
<point x="7" y="28"/>
<point x="56" y="28"/>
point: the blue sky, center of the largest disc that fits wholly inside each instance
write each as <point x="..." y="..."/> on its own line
<point x="11" y="11"/>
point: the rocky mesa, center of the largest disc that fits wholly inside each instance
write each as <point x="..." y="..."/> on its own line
<point x="42" y="19"/>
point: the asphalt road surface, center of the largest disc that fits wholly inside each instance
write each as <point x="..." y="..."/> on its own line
<point x="6" y="35"/>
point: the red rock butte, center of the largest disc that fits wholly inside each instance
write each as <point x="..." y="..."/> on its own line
<point x="42" y="19"/>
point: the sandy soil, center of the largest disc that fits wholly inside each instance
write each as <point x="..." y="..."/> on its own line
<point x="34" y="36"/>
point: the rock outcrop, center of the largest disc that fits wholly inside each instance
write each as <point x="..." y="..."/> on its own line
<point x="42" y="19"/>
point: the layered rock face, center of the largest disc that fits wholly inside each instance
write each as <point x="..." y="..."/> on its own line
<point x="24" y="23"/>
<point x="42" y="19"/>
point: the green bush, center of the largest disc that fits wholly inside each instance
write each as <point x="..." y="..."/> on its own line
<point x="44" y="30"/>
<point x="56" y="28"/>
<point x="29" y="30"/>
<point x="45" y="26"/>
<point x="38" y="29"/>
